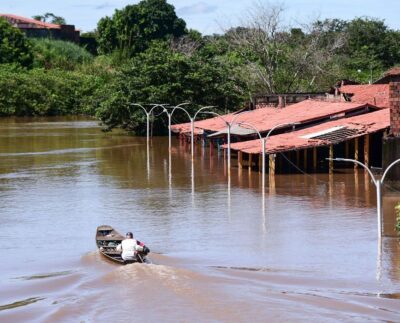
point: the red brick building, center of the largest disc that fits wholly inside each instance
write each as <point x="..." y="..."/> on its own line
<point x="40" y="29"/>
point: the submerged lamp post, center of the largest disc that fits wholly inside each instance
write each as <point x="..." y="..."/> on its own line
<point x="263" y="143"/>
<point x="228" y="127"/>
<point x="230" y="124"/>
<point x="148" y="113"/>
<point x="262" y="140"/>
<point x="169" y="114"/>
<point x="192" y="120"/>
<point x="378" y="184"/>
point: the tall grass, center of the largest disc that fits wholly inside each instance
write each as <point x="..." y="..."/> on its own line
<point x="49" y="53"/>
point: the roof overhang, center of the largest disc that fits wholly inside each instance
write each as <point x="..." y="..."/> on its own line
<point x="235" y="130"/>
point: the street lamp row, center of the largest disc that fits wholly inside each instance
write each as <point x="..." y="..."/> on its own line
<point x="229" y="124"/>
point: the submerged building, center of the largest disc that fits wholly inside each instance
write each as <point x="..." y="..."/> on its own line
<point x="356" y="121"/>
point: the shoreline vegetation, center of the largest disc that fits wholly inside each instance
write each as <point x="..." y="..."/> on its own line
<point x="146" y="54"/>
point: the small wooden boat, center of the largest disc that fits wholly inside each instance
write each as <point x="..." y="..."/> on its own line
<point x="107" y="240"/>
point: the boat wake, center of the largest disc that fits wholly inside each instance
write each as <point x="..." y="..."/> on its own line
<point x="102" y="290"/>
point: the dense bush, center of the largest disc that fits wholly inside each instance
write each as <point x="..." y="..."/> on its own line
<point x="49" y="53"/>
<point x="14" y="47"/>
<point x="162" y="75"/>
<point x="133" y="28"/>
<point x="46" y="92"/>
<point x="149" y="56"/>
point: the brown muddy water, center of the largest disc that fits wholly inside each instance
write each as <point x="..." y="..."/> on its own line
<point x="220" y="253"/>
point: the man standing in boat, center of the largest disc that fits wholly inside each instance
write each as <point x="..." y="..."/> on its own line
<point x="130" y="247"/>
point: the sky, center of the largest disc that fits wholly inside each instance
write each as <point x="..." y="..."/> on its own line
<point x="210" y="16"/>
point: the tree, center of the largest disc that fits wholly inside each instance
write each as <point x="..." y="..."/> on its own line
<point x="161" y="74"/>
<point x="134" y="27"/>
<point x="50" y="17"/>
<point x="283" y="60"/>
<point x="14" y="47"/>
<point x="372" y="48"/>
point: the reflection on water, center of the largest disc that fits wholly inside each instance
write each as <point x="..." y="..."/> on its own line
<point x="306" y="240"/>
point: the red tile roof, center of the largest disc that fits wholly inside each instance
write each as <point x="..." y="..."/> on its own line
<point x="266" y="118"/>
<point x="393" y="71"/>
<point x="375" y="94"/>
<point x="29" y="22"/>
<point x="361" y="124"/>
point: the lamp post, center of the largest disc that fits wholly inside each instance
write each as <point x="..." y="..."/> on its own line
<point x="148" y="113"/>
<point x="169" y="114"/>
<point x="263" y="143"/>
<point x="262" y="140"/>
<point x="233" y="122"/>
<point x="228" y="127"/>
<point x="192" y="120"/>
<point x="378" y="184"/>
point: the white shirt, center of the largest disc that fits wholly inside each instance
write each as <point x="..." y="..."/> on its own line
<point x="129" y="248"/>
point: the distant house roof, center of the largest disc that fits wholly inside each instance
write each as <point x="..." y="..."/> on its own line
<point x="324" y="134"/>
<point x="375" y="94"/>
<point x="28" y="23"/>
<point x="392" y="75"/>
<point x="265" y="119"/>
<point x="393" y="71"/>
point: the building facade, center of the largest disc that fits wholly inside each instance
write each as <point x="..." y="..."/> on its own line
<point x="39" y="29"/>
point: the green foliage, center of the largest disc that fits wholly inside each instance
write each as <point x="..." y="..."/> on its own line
<point x="371" y="37"/>
<point x="14" y="47"/>
<point x="371" y="47"/>
<point x="39" y="92"/>
<point x="397" y="209"/>
<point x="88" y="41"/>
<point x="132" y="29"/>
<point x="148" y="56"/>
<point x="51" y="18"/>
<point x="50" y="53"/>
<point x="162" y="75"/>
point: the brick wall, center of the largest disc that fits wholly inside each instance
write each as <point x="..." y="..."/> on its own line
<point x="394" y="104"/>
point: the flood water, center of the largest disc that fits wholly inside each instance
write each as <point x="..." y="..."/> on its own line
<point x="308" y="251"/>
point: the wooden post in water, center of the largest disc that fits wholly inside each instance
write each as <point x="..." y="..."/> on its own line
<point x="331" y="157"/>
<point x="272" y="164"/>
<point x="315" y="158"/>
<point x="305" y="151"/>
<point x="366" y="150"/>
<point x="240" y="159"/>
<point x="356" y="156"/>
<point x="250" y="162"/>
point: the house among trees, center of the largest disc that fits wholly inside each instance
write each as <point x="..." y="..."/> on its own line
<point x="40" y="29"/>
